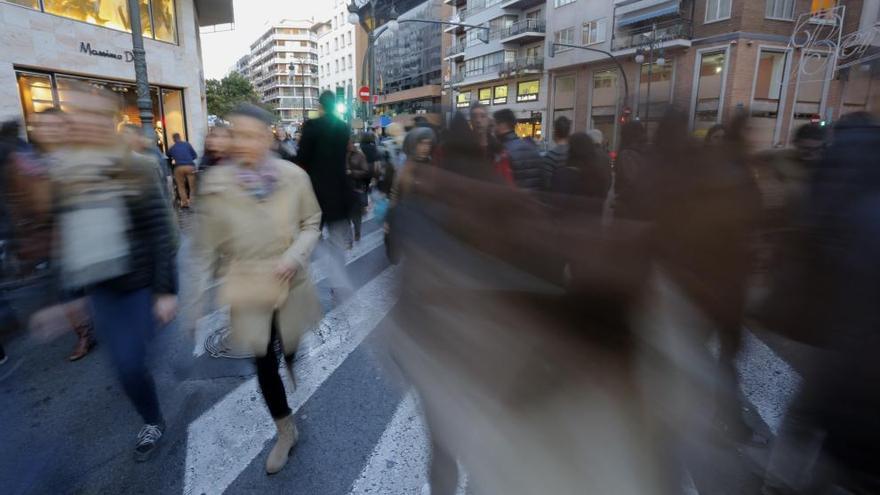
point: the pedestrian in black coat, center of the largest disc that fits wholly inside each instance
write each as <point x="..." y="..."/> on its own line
<point x="322" y="153"/>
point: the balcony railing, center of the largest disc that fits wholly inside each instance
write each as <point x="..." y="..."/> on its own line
<point x="456" y="48"/>
<point x="521" y="65"/>
<point x="676" y="29"/>
<point x="525" y="26"/>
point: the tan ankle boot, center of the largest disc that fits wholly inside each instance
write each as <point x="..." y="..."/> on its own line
<point x="284" y="442"/>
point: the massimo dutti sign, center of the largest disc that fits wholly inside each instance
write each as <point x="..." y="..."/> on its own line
<point x="86" y="47"/>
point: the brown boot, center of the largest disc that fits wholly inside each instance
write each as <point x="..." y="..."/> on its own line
<point x="84" y="344"/>
<point x="284" y="442"/>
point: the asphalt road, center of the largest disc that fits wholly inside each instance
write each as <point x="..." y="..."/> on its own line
<point x="67" y="428"/>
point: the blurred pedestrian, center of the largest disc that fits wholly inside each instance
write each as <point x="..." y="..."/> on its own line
<point x="630" y="170"/>
<point x="183" y="161"/>
<point x="785" y="179"/>
<point x="322" y="153"/>
<point x="557" y="156"/>
<point x="583" y="173"/>
<point x="481" y="123"/>
<point x="259" y="220"/>
<point x="829" y="441"/>
<point x="360" y="173"/>
<point x="134" y="138"/>
<point x="115" y="242"/>
<point x="283" y="146"/>
<point x="217" y="145"/>
<point x="526" y="163"/>
<point x="370" y="150"/>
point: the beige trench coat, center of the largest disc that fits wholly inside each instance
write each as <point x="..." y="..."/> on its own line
<point x="232" y="225"/>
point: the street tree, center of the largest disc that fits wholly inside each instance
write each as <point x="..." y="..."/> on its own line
<point x="225" y="94"/>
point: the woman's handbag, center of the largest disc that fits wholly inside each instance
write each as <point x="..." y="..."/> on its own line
<point x="253" y="284"/>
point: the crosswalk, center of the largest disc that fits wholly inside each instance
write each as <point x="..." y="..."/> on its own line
<point x="231" y="435"/>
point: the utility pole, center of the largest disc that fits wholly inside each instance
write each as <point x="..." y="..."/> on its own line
<point x="144" y="102"/>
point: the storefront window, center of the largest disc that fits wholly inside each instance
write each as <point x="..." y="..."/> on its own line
<point x="528" y="90"/>
<point x="163" y="19"/>
<point x="107" y="13"/>
<point x="765" y="106"/>
<point x="157" y="16"/>
<point x="34" y="4"/>
<point x="463" y="100"/>
<point x="709" y="84"/>
<point x="604" y="103"/>
<point x="485" y="96"/>
<point x="146" y="23"/>
<point x="655" y="79"/>
<point x="35" y="91"/>
<point x="500" y="95"/>
<point x="529" y="128"/>
<point x="169" y="116"/>
<point x="810" y="87"/>
<point x="857" y="89"/>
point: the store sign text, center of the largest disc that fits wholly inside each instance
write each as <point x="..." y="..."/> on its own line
<point x="87" y="48"/>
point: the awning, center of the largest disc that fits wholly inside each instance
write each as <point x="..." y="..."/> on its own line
<point x="665" y="8"/>
<point x="214" y="12"/>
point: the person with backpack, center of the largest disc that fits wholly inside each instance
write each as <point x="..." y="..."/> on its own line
<point x="526" y="164"/>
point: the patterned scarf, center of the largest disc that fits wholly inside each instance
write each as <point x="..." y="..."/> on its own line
<point x="259" y="181"/>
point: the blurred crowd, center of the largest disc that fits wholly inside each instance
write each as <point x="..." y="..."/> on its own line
<point x="572" y="320"/>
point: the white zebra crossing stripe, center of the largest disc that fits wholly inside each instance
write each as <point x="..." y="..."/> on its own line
<point x="766" y="380"/>
<point x="224" y="440"/>
<point x="399" y="462"/>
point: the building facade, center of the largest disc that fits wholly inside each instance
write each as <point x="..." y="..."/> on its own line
<point x="715" y="59"/>
<point x="504" y="66"/>
<point x="341" y="49"/>
<point x="409" y="59"/>
<point x="49" y="44"/>
<point x="283" y="67"/>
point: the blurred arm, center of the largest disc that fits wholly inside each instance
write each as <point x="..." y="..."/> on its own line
<point x="308" y="224"/>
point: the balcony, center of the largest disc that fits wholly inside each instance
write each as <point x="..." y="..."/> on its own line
<point x="524" y="31"/>
<point x="457" y="17"/>
<point x="456" y="50"/>
<point x="672" y="33"/>
<point x="455" y="3"/>
<point x="522" y="66"/>
<point x="520" y="4"/>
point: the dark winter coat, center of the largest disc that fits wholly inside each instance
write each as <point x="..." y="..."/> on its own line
<point x="555" y="159"/>
<point x="322" y="153"/>
<point x="529" y="170"/>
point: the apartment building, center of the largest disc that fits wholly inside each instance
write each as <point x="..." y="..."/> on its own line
<point x="341" y="49"/>
<point x="283" y="67"/>
<point x="504" y="65"/>
<point x="713" y="59"/>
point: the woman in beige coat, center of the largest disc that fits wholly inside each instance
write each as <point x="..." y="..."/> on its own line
<point x="258" y="224"/>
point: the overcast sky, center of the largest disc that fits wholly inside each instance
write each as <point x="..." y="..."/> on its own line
<point x="221" y="50"/>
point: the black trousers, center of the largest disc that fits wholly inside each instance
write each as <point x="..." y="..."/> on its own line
<point x="269" y="377"/>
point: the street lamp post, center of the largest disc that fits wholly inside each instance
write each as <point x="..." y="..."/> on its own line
<point x="640" y="57"/>
<point x="393" y="24"/>
<point x="144" y="103"/>
<point x="302" y="74"/>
